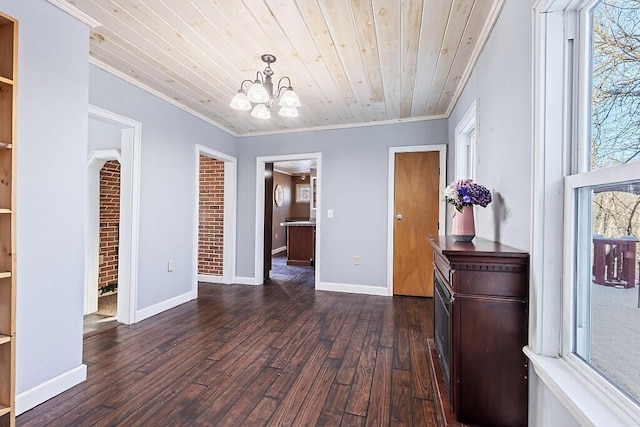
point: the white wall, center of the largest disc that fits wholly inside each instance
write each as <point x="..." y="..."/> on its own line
<point x="502" y="84"/>
<point x="354" y="184"/>
<point x="167" y="185"/>
<point x="53" y="86"/>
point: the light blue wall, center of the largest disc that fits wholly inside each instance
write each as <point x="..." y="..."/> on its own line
<point x="53" y="84"/>
<point x="501" y="84"/>
<point x="167" y="183"/>
<point x="354" y="184"/>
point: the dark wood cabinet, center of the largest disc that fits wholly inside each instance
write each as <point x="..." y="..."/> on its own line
<point x="480" y="321"/>
<point x="300" y="244"/>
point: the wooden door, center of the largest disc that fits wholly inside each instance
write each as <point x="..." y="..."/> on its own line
<point x="416" y="216"/>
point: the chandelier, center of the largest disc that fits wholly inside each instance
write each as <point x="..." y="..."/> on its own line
<point x="262" y="95"/>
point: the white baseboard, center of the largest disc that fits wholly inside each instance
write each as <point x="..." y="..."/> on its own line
<point x="353" y="289"/>
<point x="278" y="250"/>
<point x="42" y="392"/>
<point x="145" y="313"/>
<point x="210" y="279"/>
<point x="244" y="280"/>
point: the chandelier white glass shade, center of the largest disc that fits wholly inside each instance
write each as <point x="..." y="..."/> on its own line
<point x="260" y="96"/>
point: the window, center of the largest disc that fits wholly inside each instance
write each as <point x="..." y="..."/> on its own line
<point x="466" y="144"/>
<point x="602" y="198"/>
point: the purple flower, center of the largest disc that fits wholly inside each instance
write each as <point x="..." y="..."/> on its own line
<point x="467" y="193"/>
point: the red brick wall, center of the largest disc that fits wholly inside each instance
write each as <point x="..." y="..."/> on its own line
<point x="109" y="222"/>
<point x="211" y="229"/>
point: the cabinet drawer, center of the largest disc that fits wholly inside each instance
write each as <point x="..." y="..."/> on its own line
<point x="492" y="283"/>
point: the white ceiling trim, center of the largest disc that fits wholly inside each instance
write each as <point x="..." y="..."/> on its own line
<point x="475" y="54"/>
<point x="172" y="101"/>
<point x="345" y="126"/>
<point x="160" y="95"/>
<point x="76" y="13"/>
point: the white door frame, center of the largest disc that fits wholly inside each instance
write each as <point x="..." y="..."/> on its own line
<point x="229" y="238"/>
<point x="391" y="215"/>
<point x="131" y="141"/>
<point x="96" y="161"/>
<point x="261" y="161"/>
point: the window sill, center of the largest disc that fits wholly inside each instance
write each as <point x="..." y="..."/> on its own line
<point x="590" y="404"/>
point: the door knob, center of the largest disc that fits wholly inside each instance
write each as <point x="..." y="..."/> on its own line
<point x="399" y="216"/>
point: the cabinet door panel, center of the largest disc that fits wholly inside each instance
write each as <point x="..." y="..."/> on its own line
<point x="491" y="373"/>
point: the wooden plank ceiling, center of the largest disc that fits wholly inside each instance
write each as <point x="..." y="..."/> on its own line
<point x="351" y="62"/>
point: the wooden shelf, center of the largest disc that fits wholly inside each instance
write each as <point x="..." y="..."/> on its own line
<point x="8" y="160"/>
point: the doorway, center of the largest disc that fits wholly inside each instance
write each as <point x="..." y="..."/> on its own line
<point x="266" y="198"/>
<point x="113" y="138"/>
<point x="215" y="218"/>
<point x="288" y="251"/>
<point x="416" y="210"/>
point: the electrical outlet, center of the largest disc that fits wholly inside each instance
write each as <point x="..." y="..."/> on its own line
<point x="356" y="260"/>
<point x="329" y="213"/>
<point x="276" y="235"/>
<point x="170" y="265"/>
<point x="100" y="259"/>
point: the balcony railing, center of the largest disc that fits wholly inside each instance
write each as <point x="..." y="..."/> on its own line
<point x="614" y="261"/>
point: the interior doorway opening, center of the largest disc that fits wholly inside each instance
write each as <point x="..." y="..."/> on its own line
<point x="105" y="300"/>
<point x="215" y="218"/>
<point x="113" y="177"/>
<point x="288" y="224"/>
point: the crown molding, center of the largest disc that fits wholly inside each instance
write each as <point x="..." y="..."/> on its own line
<point x="154" y="92"/>
<point x="75" y="12"/>
<point x="345" y="126"/>
<point x="483" y="37"/>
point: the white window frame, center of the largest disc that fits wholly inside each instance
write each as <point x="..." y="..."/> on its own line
<point x="559" y="96"/>
<point x="466" y="135"/>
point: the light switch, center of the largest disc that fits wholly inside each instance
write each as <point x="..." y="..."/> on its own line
<point x="329" y="213"/>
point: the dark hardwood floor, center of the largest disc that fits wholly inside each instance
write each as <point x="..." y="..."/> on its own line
<point x="278" y="354"/>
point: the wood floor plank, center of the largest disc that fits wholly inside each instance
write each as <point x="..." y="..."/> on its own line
<point x="420" y="372"/>
<point x="219" y="403"/>
<point x="309" y="413"/>
<point x="378" y="412"/>
<point x="424" y="413"/>
<point x="401" y="355"/>
<point x="294" y="342"/>
<point x="177" y="408"/>
<point x="278" y="354"/>
<point x="401" y="399"/>
<point x="377" y="315"/>
<point x="388" y="326"/>
<point x="343" y="337"/>
<point x="295" y="398"/>
<point x="262" y="413"/>
<point x="361" y="389"/>
<point x="250" y="398"/>
<point x="350" y="360"/>
<point x="350" y="420"/>
<point x="334" y="405"/>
